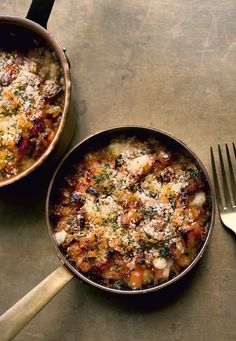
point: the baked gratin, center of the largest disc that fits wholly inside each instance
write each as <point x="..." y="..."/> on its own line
<point x="31" y="105"/>
<point x="132" y="214"/>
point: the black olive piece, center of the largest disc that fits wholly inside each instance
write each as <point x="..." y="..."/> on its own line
<point x="142" y="260"/>
<point x="111" y="253"/>
<point x="18" y="141"/>
<point x="152" y="194"/>
<point x="55" y="216"/>
<point x="38" y="124"/>
<point x="143" y="245"/>
<point x="119" y="161"/>
<point x="76" y="198"/>
<point x="184" y="234"/>
<point x="63" y="248"/>
<point x="184" y="196"/>
<point x="93" y="191"/>
<point x="81" y="219"/>
<point x="73" y="224"/>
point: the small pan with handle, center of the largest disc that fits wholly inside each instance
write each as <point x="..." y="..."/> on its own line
<point x="12" y="321"/>
<point x="26" y="33"/>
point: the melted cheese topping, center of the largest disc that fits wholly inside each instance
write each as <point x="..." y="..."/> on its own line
<point x="133" y="215"/>
<point x="31" y="104"/>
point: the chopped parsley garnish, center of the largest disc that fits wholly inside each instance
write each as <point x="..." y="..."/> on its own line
<point x="9" y="157"/>
<point x="115" y="226"/>
<point x="120" y="184"/>
<point x="192" y="172"/>
<point x="164" y="251"/>
<point x="118" y="285"/>
<point x="18" y="91"/>
<point x="100" y="178"/>
<point x="98" y="208"/>
<point x="172" y="200"/>
<point x="106" y="166"/>
<point x="72" y="222"/>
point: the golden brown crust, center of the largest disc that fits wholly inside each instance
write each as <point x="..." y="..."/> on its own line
<point x="130" y="216"/>
<point x="31" y="104"/>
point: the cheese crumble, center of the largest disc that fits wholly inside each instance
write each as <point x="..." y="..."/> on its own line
<point x="31" y="105"/>
<point x="133" y="214"/>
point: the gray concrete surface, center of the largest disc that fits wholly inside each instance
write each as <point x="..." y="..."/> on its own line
<point x="169" y="64"/>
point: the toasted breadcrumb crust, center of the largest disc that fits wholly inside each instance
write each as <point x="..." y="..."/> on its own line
<point x="31" y="105"/>
<point x="133" y="214"/>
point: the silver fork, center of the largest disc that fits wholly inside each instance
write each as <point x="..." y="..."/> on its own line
<point x="226" y="203"/>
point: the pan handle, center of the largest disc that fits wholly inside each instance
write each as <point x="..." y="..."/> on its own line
<point x="18" y="316"/>
<point x="40" y="11"/>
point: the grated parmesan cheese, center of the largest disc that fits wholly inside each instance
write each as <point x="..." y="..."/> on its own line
<point x="136" y="214"/>
<point x="29" y="117"/>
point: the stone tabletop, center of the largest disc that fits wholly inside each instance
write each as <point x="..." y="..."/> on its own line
<point x="169" y="64"/>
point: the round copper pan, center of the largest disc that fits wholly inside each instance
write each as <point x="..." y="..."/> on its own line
<point x="100" y="138"/>
<point x="28" y="32"/>
<point x="13" y="320"/>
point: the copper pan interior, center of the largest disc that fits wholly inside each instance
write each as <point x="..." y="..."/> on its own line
<point x="102" y="138"/>
<point x="19" y="33"/>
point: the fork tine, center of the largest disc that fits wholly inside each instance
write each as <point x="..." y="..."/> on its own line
<point x="234" y="150"/>
<point x="216" y="182"/>
<point x="224" y="180"/>
<point x="232" y="178"/>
